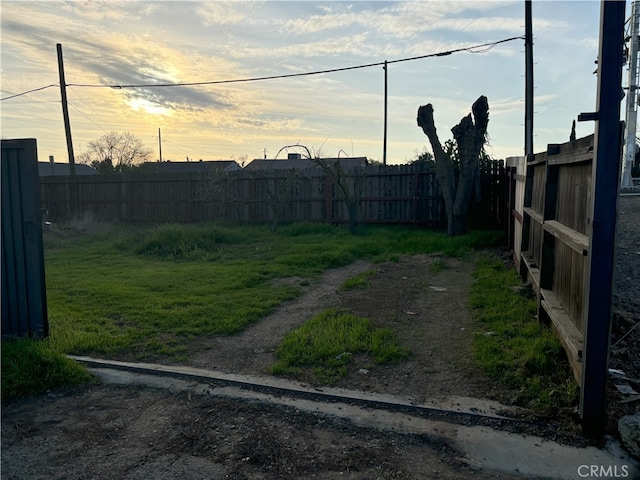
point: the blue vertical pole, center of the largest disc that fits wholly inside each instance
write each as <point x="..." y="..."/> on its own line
<point x="604" y="203"/>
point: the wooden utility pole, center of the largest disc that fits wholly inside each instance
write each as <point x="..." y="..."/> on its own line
<point x="65" y="111"/>
<point x="159" y="145"/>
<point x="384" y="142"/>
<point x="528" y="71"/>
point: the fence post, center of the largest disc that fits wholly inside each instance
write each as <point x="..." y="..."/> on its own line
<point x="328" y="191"/>
<point x="604" y="198"/>
<point x="416" y="197"/>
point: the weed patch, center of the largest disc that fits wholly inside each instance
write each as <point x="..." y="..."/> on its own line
<point x="362" y="280"/>
<point x="438" y="264"/>
<point x="524" y="356"/>
<point x="31" y="367"/>
<point x="326" y="344"/>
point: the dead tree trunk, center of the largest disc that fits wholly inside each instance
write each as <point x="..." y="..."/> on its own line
<point x="469" y="136"/>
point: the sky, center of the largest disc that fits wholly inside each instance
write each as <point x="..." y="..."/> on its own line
<point x="106" y="43"/>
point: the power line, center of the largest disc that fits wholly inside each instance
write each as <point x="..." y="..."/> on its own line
<point x="92" y="110"/>
<point x="472" y="49"/>
<point x="30" y="91"/>
<point x="87" y="117"/>
<point x="485" y="46"/>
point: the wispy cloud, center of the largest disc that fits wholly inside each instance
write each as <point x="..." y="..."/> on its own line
<point x="354" y="44"/>
<point x="224" y="13"/>
<point x="405" y="19"/>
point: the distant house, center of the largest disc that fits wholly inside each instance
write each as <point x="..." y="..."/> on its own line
<point x="47" y="169"/>
<point x="294" y="161"/>
<point x="201" y="166"/>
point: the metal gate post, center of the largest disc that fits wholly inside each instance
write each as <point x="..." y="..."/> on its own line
<point x="602" y="231"/>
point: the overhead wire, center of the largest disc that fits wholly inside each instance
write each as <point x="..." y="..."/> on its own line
<point x="88" y="105"/>
<point x="472" y="49"/>
<point x="86" y="116"/>
<point x="30" y="91"/>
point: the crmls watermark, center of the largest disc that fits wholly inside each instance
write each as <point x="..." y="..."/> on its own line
<point x="603" y="471"/>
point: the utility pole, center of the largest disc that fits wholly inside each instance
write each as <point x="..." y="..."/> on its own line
<point x="65" y="111"/>
<point x="632" y="97"/>
<point x="384" y="142"/>
<point x="159" y="145"/>
<point x="528" y="72"/>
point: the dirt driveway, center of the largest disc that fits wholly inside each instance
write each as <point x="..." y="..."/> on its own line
<point x="427" y="309"/>
<point x="111" y="432"/>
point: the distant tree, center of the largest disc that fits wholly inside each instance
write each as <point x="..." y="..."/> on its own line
<point x="469" y="136"/>
<point x="115" y="152"/>
<point x="425" y="158"/>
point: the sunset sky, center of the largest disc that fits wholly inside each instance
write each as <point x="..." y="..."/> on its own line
<point x="107" y="43"/>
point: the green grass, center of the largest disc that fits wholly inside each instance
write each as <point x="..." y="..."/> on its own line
<point x="143" y="292"/>
<point x="361" y="280"/>
<point x="31" y="367"/>
<point x="512" y="347"/>
<point x="325" y="345"/>
<point x="147" y="291"/>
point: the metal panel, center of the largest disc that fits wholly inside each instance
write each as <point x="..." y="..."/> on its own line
<point x="24" y="304"/>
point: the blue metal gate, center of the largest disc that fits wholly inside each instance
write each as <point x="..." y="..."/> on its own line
<point x="24" y="303"/>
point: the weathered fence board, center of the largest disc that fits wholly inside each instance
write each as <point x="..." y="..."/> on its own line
<point x="514" y="196"/>
<point x="555" y="253"/>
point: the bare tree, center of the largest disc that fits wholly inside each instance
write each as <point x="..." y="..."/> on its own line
<point x="469" y="136"/>
<point x="349" y="185"/>
<point x="115" y="152"/>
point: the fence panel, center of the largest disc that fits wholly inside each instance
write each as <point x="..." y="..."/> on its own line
<point x="398" y="194"/>
<point x="554" y="253"/>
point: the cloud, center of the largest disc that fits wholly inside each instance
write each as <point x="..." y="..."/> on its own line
<point x="117" y="59"/>
<point x="355" y="44"/>
<point x="405" y="19"/>
<point x="223" y="13"/>
<point x="98" y="10"/>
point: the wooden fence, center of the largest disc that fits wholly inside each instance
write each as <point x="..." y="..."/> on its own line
<point x="405" y="194"/>
<point x="554" y="238"/>
<point x="556" y="216"/>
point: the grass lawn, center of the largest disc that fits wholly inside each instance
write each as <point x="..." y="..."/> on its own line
<point x="147" y="291"/>
<point x="144" y="292"/>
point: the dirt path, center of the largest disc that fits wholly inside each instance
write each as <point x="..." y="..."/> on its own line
<point x="424" y="300"/>
<point x="425" y="306"/>
<point x="252" y="351"/>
